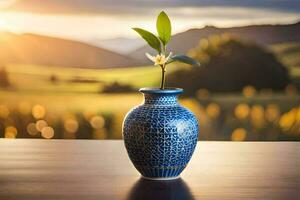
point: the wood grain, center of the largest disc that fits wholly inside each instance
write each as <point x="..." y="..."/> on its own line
<point x="100" y="170"/>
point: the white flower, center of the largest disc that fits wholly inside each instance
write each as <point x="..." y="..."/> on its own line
<point x="159" y="59"/>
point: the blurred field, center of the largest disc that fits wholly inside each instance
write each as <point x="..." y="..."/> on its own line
<point x="60" y="102"/>
<point x="250" y="116"/>
<point x="38" y="78"/>
<point x="31" y="77"/>
<point x="68" y="80"/>
<point x="73" y="102"/>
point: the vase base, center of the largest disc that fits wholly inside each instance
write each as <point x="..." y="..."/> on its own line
<point x="161" y="178"/>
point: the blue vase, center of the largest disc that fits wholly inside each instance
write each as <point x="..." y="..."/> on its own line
<point x="160" y="135"/>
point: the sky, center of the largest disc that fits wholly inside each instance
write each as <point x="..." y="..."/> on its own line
<point x="89" y="20"/>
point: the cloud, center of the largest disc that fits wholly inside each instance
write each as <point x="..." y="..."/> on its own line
<point x="142" y="6"/>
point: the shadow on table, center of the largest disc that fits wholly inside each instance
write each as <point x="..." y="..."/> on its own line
<point x="155" y="190"/>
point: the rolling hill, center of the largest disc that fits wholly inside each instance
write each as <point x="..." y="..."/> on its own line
<point x="261" y="34"/>
<point x="120" y="45"/>
<point x="44" y="50"/>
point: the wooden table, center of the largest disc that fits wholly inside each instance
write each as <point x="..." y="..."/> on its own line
<point x="100" y="170"/>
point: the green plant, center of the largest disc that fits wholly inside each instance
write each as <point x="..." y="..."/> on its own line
<point x="159" y="43"/>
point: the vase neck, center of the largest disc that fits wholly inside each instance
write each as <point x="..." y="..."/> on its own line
<point x="161" y="99"/>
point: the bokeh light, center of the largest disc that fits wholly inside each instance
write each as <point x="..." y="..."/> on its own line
<point x="239" y="134"/>
<point x="264" y="120"/>
<point x="97" y="122"/>
<point x="289" y="120"/>
<point x="38" y="111"/>
<point x="40" y="124"/>
<point x="249" y="91"/>
<point x="88" y="114"/>
<point x="31" y="129"/>
<point x="10" y="132"/>
<point x="272" y="113"/>
<point x="213" y="110"/>
<point x="48" y="132"/>
<point x="242" y="111"/>
<point x="257" y="116"/>
<point x="71" y="125"/>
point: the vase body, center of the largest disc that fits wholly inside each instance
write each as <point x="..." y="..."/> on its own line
<point x="160" y="135"/>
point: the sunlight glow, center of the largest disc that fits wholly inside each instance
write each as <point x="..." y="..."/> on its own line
<point x="3" y="25"/>
<point x="111" y="25"/>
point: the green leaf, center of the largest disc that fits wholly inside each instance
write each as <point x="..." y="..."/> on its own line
<point x="150" y="38"/>
<point x="184" y="59"/>
<point x="163" y="26"/>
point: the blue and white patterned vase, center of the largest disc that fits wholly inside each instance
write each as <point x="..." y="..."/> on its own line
<point x="160" y="135"/>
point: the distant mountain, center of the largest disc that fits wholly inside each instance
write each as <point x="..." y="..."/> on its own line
<point x="261" y="34"/>
<point x="120" y="45"/>
<point x="44" y="50"/>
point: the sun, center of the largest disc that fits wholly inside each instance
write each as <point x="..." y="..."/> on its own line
<point x="3" y="25"/>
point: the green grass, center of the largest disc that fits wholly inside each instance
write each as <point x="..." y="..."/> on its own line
<point x="31" y="83"/>
<point x="37" y="78"/>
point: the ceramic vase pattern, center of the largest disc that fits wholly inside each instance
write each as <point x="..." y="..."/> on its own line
<point x="160" y="135"/>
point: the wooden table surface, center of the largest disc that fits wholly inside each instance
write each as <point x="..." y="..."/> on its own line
<point x="100" y="170"/>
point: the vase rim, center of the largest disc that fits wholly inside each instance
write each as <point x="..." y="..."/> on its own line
<point x="167" y="90"/>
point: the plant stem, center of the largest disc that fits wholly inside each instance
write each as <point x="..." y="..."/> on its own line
<point x="163" y="70"/>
